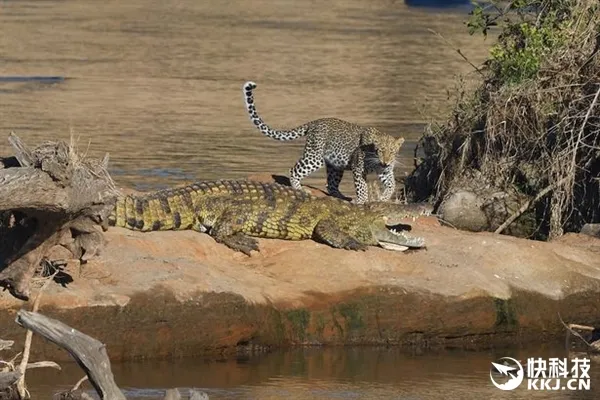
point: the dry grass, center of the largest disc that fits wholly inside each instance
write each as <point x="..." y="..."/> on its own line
<point x="541" y="133"/>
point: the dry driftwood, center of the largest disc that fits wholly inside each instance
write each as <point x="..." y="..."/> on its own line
<point x="89" y="353"/>
<point x="25" y="364"/>
<point x="48" y="196"/>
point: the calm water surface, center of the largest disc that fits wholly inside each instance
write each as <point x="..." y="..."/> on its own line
<point x="157" y="83"/>
<point x="315" y="373"/>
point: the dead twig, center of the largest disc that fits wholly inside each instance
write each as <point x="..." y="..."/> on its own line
<point x="579" y="136"/>
<point x="21" y="388"/>
<point x="89" y="353"/>
<point x="79" y="383"/>
<point x="594" y="346"/>
<point x="460" y="53"/>
<point x="44" y="364"/>
<point x="527" y="204"/>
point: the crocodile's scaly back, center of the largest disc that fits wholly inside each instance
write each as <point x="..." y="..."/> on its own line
<point x="175" y="208"/>
<point x="233" y="212"/>
<point x="287" y="218"/>
<point x="338" y="223"/>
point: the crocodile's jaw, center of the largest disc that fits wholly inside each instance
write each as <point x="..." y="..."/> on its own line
<point x="400" y="214"/>
<point x="393" y="247"/>
<point x="390" y="239"/>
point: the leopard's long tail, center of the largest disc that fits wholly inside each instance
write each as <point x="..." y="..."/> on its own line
<point x="261" y="125"/>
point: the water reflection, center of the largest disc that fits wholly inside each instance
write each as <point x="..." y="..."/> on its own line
<point x="330" y="373"/>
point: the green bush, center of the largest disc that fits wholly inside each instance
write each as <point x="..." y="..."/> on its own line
<point x="532" y="121"/>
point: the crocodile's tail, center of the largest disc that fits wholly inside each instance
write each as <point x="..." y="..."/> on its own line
<point x="119" y="215"/>
<point x="261" y="125"/>
<point x="152" y="213"/>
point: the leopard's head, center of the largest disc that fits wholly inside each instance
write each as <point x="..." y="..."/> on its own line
<point x="387" y="150"/>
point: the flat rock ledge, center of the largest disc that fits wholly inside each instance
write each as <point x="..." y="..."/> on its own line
<point x="171" y="294"/>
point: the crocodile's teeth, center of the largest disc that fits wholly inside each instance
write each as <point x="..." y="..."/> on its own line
<point x="395" y="232"/>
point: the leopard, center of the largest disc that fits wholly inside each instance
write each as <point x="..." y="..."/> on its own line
<point x="340" y="146"/>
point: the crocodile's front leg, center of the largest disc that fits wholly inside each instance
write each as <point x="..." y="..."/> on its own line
<point x="239" y="242"/>
<point x="228" y="232"/>
<point x="328" y="232"/>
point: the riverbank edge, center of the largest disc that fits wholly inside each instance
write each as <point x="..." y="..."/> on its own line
<point x="156" y="325"/>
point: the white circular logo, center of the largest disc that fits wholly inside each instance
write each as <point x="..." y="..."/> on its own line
<point x="509" y="368"/>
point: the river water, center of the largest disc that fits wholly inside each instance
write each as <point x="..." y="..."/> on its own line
<point x="316" y="373"/>
<point x="157" y="84"/>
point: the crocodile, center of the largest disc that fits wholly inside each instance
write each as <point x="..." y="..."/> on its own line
<point x="235" y="211"/>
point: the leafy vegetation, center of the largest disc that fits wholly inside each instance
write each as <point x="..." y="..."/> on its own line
<point x="530" y="120"/>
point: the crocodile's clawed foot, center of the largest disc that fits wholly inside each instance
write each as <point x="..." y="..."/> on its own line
<point x="353" y="244"/>
<point x="240" y="242"/>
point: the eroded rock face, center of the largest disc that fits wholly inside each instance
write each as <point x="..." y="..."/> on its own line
<point x="162" y="294"/>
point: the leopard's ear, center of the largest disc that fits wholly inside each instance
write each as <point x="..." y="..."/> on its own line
<point x="400" y="141"/>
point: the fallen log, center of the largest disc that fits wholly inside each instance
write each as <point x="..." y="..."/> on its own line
<point x="90" y="355"/>
<point x="49" y="195"/>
